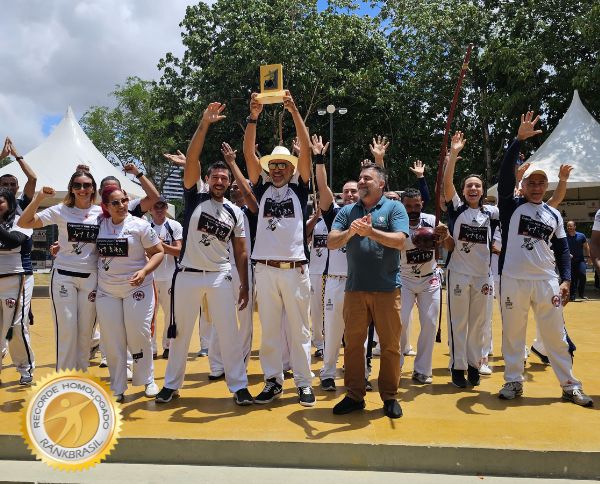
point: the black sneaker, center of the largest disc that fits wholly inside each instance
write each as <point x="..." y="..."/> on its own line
<point x="347" y="405"/>
<point x="165" y="354"/>
<point x="458" y="378"/>
<point x="271" y="391"/>
<point x="328" y="384"/>
<point x="155" y="356"/>
<point x="242" y="397"/>
<point x="93" y="351"/>
<point x="319" y="354"/>
<point x="25" y="380"/>
<point x="473" y="375"/>
<point x="392" y="408"/>
<point x="306" y="397"/>
<point x="166" y="395"/>
<point x="368" y="386"/>
<point x="543" y="358"/>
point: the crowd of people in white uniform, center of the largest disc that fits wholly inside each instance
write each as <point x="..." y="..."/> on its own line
<point x="349" y="275"/>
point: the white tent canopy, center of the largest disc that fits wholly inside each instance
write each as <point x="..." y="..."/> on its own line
<point x="55" y="160"/>
<point x="575" y="141"/>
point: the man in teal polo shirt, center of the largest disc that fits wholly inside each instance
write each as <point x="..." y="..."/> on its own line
<point x="373" y="230"/>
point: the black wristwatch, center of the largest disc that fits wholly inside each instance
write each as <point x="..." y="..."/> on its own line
<point x="139" y="175"/>
<point x="249" y="120"/>
<point x="18" y="158"/>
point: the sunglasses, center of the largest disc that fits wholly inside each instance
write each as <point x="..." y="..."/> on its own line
<point x="117" y="203"/>
<point x="278" y="165"/>
<point x="79" y="186"/>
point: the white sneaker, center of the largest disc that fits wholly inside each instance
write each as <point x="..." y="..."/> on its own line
<point x="129" y="373"/>
<point x="151" y="390"/>
<point x="103" y="362"/>
<point x="511" y="390"/>
<point x="410" y="352"/>
<point x="376" y="351"/>
<point x="484" y="369"/>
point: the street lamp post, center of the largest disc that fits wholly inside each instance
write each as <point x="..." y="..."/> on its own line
<point x="321" y="112"/>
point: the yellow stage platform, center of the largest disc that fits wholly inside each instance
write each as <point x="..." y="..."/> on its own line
<point x="443" y="428"/>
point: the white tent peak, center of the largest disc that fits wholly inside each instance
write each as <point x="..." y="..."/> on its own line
<point x="575" y="141"/>
<point x="57" y="157"/>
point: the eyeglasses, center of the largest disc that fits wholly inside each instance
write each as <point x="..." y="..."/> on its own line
<point x="278" y="165"/>
<point x="117" y="203"/>
<point x="79" y="186"/>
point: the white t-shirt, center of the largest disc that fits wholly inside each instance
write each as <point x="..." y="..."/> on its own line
<point x="471" y="230"/>
<point x="529" y="234"/>
<point x="10" y="259"/>
<point x="208" y="227"/>
<point x="248" y="244"/>
<point x="164" y="272"/>
<point x="318" y="248"/>
<point x="280" y="231"/>
<point x="77" y="233"/>
<point x="121" y="250"/>
<point x="338" y="263"/>
<point x="596" y="225"/>
<point x="497" y="241"/>
<point x="414" y="262"/>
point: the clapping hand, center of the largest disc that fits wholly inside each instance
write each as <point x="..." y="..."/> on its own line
<point x="362" y="226"/>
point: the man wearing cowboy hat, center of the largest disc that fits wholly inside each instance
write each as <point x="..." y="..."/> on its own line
<point x="281" y="254"/>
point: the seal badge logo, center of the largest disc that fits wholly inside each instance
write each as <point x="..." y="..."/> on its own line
<point x="70" y="420"/>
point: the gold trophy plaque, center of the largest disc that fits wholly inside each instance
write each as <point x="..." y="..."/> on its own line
<point x="271" y="84"/>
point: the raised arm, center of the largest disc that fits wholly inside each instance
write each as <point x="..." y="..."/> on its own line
<point x="150" y="190"/>
<point x="191" y="172"/>
<point x="325" y="194"/>
<point x="378" y="149"/>
<point x="305" y="156"/>
<point x="561" y="188"/>
<point x="456" y="146"/>
<point x="418" y="169"/>
<point x="252" y="161"/>
<point x="29" y="219"/>
<point x="229" y="155"/>
<point x="29" y="188"/>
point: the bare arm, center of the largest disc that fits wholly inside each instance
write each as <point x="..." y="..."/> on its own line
<point x="339" y="238"/>
<point x="29" y="188"/>
<point x="229" y="155"/>
<point x="305" y="156"/>
<point x="561" y="189"/>
<point x="29" y="219"/>
<point x="364" y="228"/>
<point x="191" y="172"/>
<point x="174" y="249"/>
<point x="457" y="144"/>
<point x="150" y="190"/>
<point x="325" y="193"/>
<point x="443" y="237"/>
<point x="155" y="256"/>
<point x="312" y="221"/>
<point x="241" y="262"/>
<point x="252" y="161"/>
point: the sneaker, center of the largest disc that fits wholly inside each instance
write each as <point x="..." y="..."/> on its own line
<point x="347" y="405"/>
<point x="376" y="351"/>
<point x="458" y="378"/>
<point x="25" y="380"/>
<point x="93" y="351"/>
<point x="410" y="352"/>
<point x="577" y="396"/>
<point x="485" y="369"/>
<point x="328" y="384"/>
<point x="511" y="390"/>
<point x="421" y="378"/>
<point x="165" y="354"/>
<point x="129" y="373"/>
<point x="368" y="386"/>
<point x="203" y="352"/>
<point x="473" y="375"/>
<point x="392" y="408"/>
<point x="151" y="390"/>
<point x="271" y="391"/>
<point x="319" y="353"/>
<point x="242" y="397"/>
<point x="155" y="356"/>
<point x="306" y="397"/>
<point x="120" y="397"/>
<point x="216" y="376"/>
<point x="543" y="358"/>
<point x="103" y="363"/>
<point x="166" y="395"/>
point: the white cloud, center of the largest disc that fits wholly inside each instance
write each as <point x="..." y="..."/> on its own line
<point x="64" y="52"/>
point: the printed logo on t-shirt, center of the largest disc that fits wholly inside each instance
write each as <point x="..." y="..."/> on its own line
<point x="534" y="229"/>
<point x="469" y="236"/>
<point x="320" y="244"/>
<point x="417" y="258"/>
<point x="111" y="248"/>
<point x="275" y="211"/>
<point x="81" y="234"/>
<point x="10" y="302"/>
<point x="212" y="227"/>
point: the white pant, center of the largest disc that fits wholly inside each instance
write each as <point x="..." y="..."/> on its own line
<point x="14" y="311"/>
<point x="278" y="290"/>
<point x="125" y="316"/>
<point x="468" y="297"/>
<point x="316" y="309"/>
<point x="488" y="343"/>
<point x="205" y="330"/>
<point x="426" y="292"/>
<point x="244" y="318"/>
<point x="163" y="297"/>
<point x="543" y="297"/>
<point x="74" y="312"/>
<point x="189" y="290"/>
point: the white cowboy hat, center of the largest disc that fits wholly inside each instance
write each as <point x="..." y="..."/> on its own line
<point x="278" y="153"/>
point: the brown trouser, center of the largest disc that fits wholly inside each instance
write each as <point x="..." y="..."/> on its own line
<point x="383" y="308"/>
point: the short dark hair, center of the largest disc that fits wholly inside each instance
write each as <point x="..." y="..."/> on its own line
<point x="109" y="178"/>
<point x="219" y="165"/>
<point x="381" y="172"/>
<point x="7" y="175"/>
<point x="410" y="193"/>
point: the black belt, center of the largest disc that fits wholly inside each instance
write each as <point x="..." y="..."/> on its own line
<point x="190" y="269"/>
<point x="83" y="275"/>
